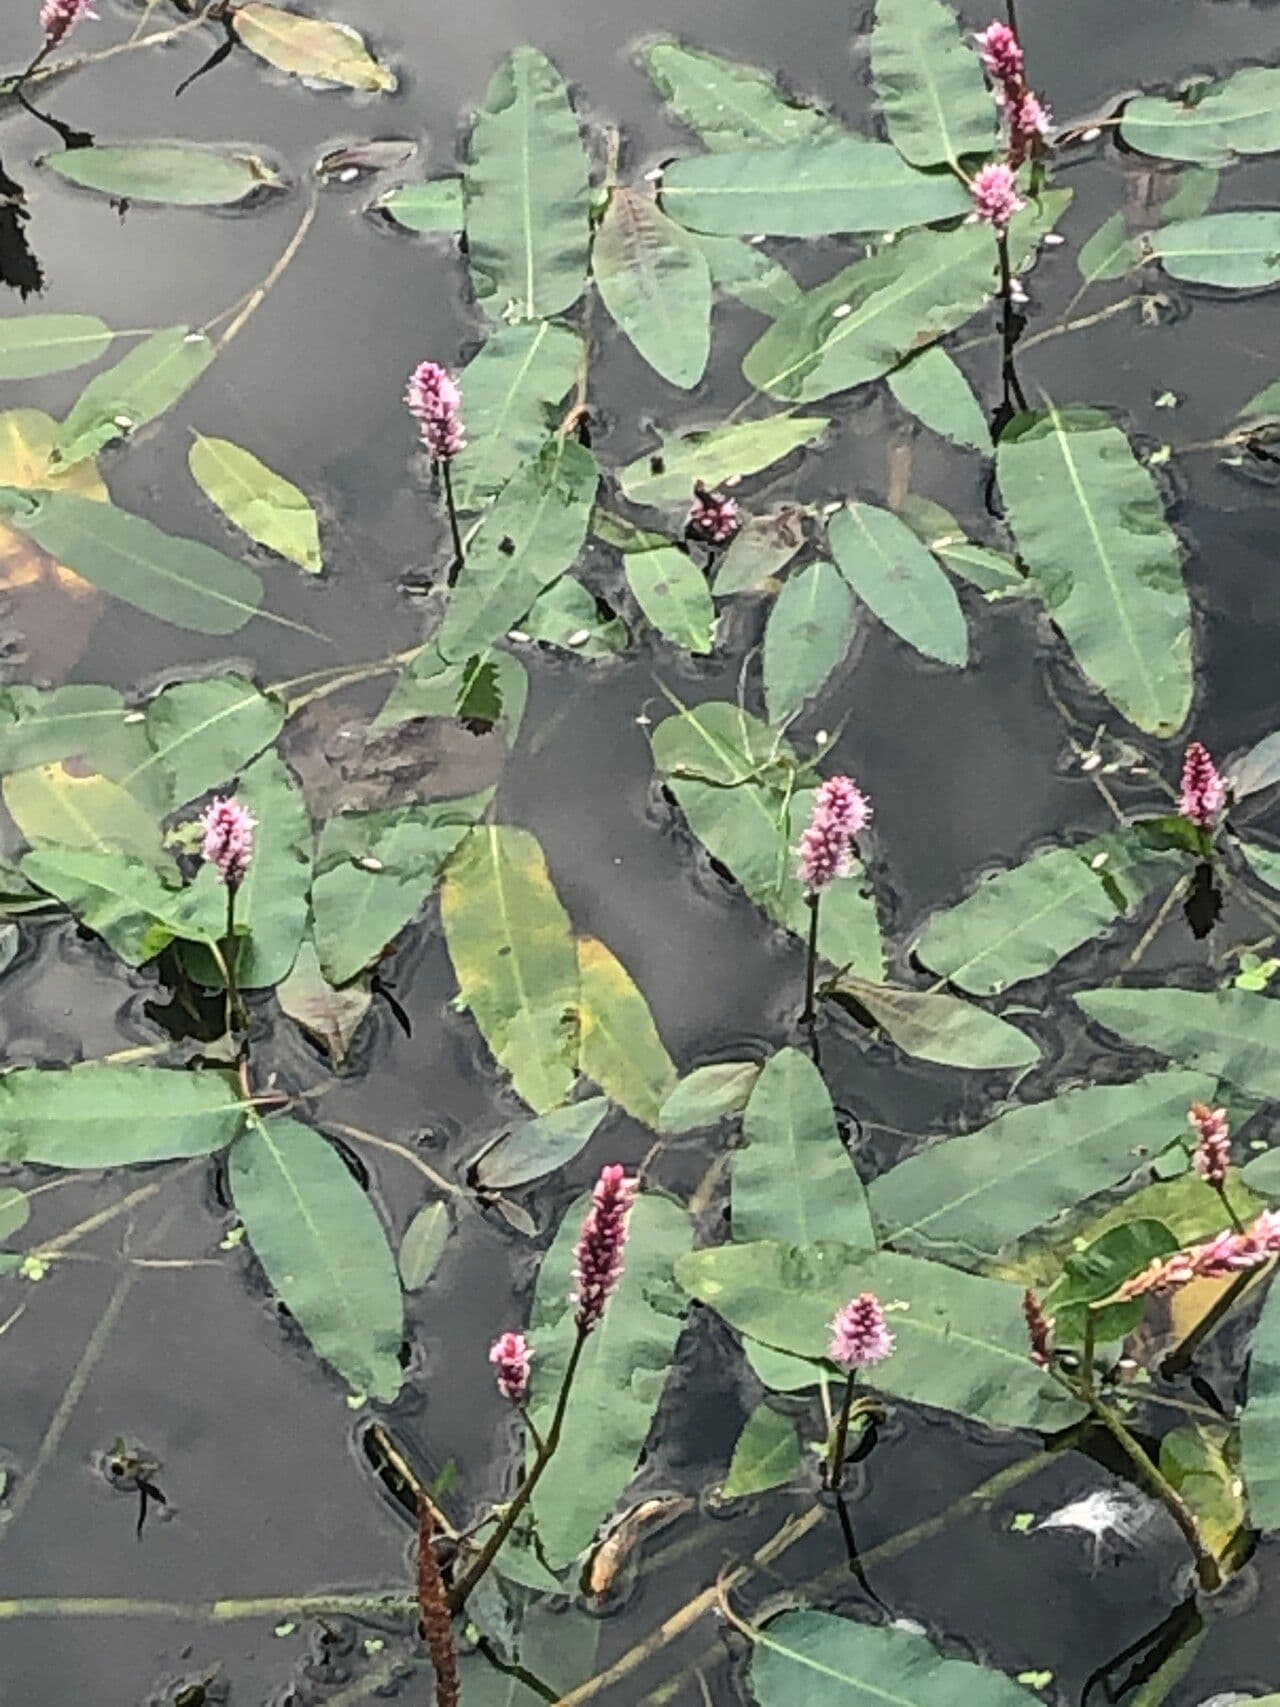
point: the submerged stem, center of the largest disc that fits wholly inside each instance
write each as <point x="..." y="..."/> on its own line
<point x="811" y="969"/>
<point x="455" y="568"/>
<point x="835" y="1462"/>
<point x="1208" y="1571"/>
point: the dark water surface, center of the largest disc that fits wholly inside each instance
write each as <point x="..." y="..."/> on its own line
<point x="269" y="1492"/>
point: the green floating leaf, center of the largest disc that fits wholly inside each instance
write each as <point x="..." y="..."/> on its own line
<point x="967" y="1198"/>
<point x="516" y="963"/>
<point x="667" y="476"/>
<point x="932" y="388"/>
<point x="49" y="804"/>
<point x="747" y="272"/>
<point x="672" y="592"/>
<point x="124" y="899"/>
<point x="37" y="344"/>
<point x="433" y="206"/>
<point x="707" y="1095"/>
<point x="655" y="282"/>
<point x="1260" y="1419"/>
<point x="332" y="1017"/>
<point x="1258" y="769"/>
<point x="877" y="312"/>
<point x="423" y="1245"/>
<point x="619" y="1046"/>
<point x="178" y="580"/>
<point x="313" y="48"/>
<point x="526" y="194"/>
<point x="324" y="1250"/>
<point x="266" y="506"/>
<point x="782" y="1373"/>
<point x="768" y="1455"/>
<point x="937" y="1027"/>
<point x="732" y="105"/>
<point x="622" y="1372"/>
<point x="717" y="742"/>
<point x="1233" y="1034"/>
<point x="937" y="107"/>
<point x="567" y="615"/>
<point x="1112" y="251"/>
<point x="890" y="570"/>
<point x="807" y="635"/>
<point x="961" y="1340"/>
<point x="808" y="189"/>
<point x="93" y="1116"/>
<point x="759" y="551"/>
<point x="271" y="903"/>
<point x="1239" y="251"/>
<point x="793" y="1180"/>
<point x="991" y="572"/>
<point x="1202" y="1463"/>
<point x="827" y="1661"/>
<point x="1263" y="1173"/>
<point x="429" y="687"/>
<point x="184" y="174"/>
<point x="200" y="734"/>
<point x="1089" y="523"/>
<point x="513" y="391"/>
<point x="374" y="872"/>
<point x="540" y="1146"/>
<point x="1020" y="923"/>
<point x="533" y="533"/>
<point x="1224" y="120"/>
<point x="38" y="725"/>
<point x="149" y="380"/>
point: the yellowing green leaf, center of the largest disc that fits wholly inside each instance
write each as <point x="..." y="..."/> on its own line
<point x="619" y="1046"/>
<point x="311" y="47"/>
<point x="262" y="504"/>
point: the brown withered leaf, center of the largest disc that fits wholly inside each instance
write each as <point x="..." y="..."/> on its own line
<point x="618" y="1545"/>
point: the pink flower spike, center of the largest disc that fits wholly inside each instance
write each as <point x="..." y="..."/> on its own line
<point x="228" y="839"/>
<point x="860" y="1335"/>
<point x="841" y="811"/>
<point x="598" y="1255"/>
<point x="435" y="401"/>
<point x="1227" y="1253"/>
<point x="1204" y="793"/>
<point x="1029" y="122"/>
<point x="713" y="517"/>
<point x="1213" y="1142"/>
<point x="1039" y="1329"/>
<point x="995" y="196"/>
<point x="1002" y="55"/>
<point x="59" y="17"/>
<point x="510" y="1356"/>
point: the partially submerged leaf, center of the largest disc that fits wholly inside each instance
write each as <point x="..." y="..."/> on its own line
<point x="619" y="1045"/>
<point x="149" y="380"/>
<point x="314" y="48"/>
<point x="33" y="345"/>
<point x="655" y="282"/>
<point x="1214" y="123"/>
<point x="759" y="551"/>
<point x="423" y="1245"/>
<point x="200" y="734"/>
<point x="932" y="388"/>
<point x="261" y="503"/>
<point x="1231" y="1033"/>
<point x="332" y="1017"/>
<point x="890" y="570"/>
<point x="936" y="1027"/>
<point x="707" y="1095"/>
<point x="768" y="1455"/>
<point x="49" y="804"/>
<point x="667" y="475"/>
<point x="672" y="592"/>
<point x="806" y="637"/>
<point x="540" y="1146"/>
<point x="123" y="898"/>
<point x="1237" y="251"/>
<point x="748" y="272"/>
<point x="100" y="1116"/>
<point x="433" y="206"/>
<point x="732" y="105"/>
<point x="184" y="174"/>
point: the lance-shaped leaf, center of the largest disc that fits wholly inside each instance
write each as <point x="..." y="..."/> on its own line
<point x="731" y="105"/>
<point x="793" y="1180"/>
<point x="149" y="380"/>
<point x="38" y="725"/>
<point x="961" y="1340"/>
<point x="433" y="206"/>
<point x="200" y="734"/>
<point x="540" y="1146"/>
<point x="622" y="1372"/>
<point x="808" y="189"/>
<point x="533" y="533"/>
<point x="667" y="475"/>
<point x="932" y="388"/>
<point x="875" y="313"/>
<point x="526" y="193"/>
<point x="1258" y="769"/>
<point x="184" y="174"/>
<point x="827" y="1661"/>
<point x="324" y="1249"/>
<point x="807" y="635"/>
<point x="50" y="804"/>
<point x="672" y="592"/>
<point x="423" y="1245"/>
<point x="1234" y="1034"/>
<point x="178" y="580"/>
<point x="619" y="1045"/>
<point x="33" y="345"/>
<point x="1260" y="1420"/>
<point x="1238" y="251"/>
<point x="1203" y="1464"/>
<point x="1090" y="523"/>
<point x="514" y="956"/>
<point x="314" y="48"/>
<point x="261" y="503"/>
<point x="93" y="1116"/>
<point x="937" y="107"/>
<point x="1020" y="923"/>
<point x="655" y="282"/>
<point x="890" y="570"/>
<point x="1112" y="251"/>
<point x="719" y="742"/>
<point x="124" y="899"/>
<point x="707" y="1095"/>
<point x="937" y="1027"/>
<point x="374" y="871"/>
<point x="1240" y="115"/>
<point x="967" y="1197"/>
<point x="331" y="1017"/>
<point x="768" y="1455"/>
<point x="991" y="572"/>
<point x="764" y="546"/>
<point x="512" y="391"/>
<point x="749" y="273"/>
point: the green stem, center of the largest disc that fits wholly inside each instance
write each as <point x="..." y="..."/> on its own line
<point x="811" y="969"/>
<point x="236" y="1016"/>
<point x="471" y="1577"/>
<point x="835" y="1463"/>
<point x="1090" y="1331"/>
<point x="455" y="567"/>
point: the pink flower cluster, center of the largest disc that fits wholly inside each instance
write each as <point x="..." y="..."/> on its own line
<point x="860" y="1335"/>
<point x="435" y="401"/>
<point x="59" y="17"/>
<point x="1026" y="122"/>
<point x="597" y="1258"/>
<point x="1226" y="1254"/>
<point x="841" y="811"/>
<point x="1039" y="1329"/>
<point x="1204" y="793"/>
<point x="714" y="516"/>
<point x="228" y="839"/>
<point x="510" y="1355"/>
<point x="995" y="196"/>
<point x="1002" y="58"/>
<point x="1213" y="1142"/>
